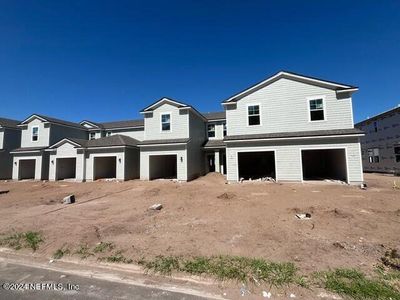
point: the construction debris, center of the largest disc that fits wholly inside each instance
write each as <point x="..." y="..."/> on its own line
<point x="4" y="192"/>
<point x="363" y="186"/>
<point x="305" y="216"/>
<point x="396" y="186"/>
<point x="69" y="199"/>
<point x="266" y="294"/>
<point x="157" y="206"/>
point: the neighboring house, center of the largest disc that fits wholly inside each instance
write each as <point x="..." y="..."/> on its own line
<point x="38" y="132"/>
<point x="174" y="133"/>
<point x="115" y="156"/>
<point x="10" y="138"/>
<point x="293" y="128"/>
<point x="381" y="143"/>
<point x="131" y="128"/>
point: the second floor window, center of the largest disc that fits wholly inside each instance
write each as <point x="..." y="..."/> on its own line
<point x="397" y="153"/>
<point x="211" y="130"/>
<point x="253" y="114"/>
<point x="165" y="122"/>
<point x="108" y="133"/>
<point x="35" y="134"/>
<point x="375" y="126"/>
<point x="92" y="135"/>
<point x="317" y="110"/>
<point x="225" y="130"/>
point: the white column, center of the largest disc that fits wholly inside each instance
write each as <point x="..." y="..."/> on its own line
<point x="217" y="162"/>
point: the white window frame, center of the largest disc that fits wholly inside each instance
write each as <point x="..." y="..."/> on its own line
<point x="33" y="127"/>
<point x="224" y="129"/>
<point x="108" y="133"/>
<point x="323" y="108"/>
<point x="170" y="122"/>
<point x="259" y="112"/>
<point x="215" y="131"/>
<point x="90" y="136"/>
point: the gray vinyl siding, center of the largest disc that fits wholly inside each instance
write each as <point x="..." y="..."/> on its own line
<point x="59" y="132"/>
<point x="44" y="134"/>
<point x="284" y="108"/>
<point x="288" y="156"/>
<point x="10" y="139"/>
<point x="195" y="160"/>
<point x="385" y="139"/>
<point x="179" y="123"/>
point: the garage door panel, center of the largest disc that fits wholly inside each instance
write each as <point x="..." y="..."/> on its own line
<point x="105" y="167"/>
<point x="27" y="169"/>
<point x="324" y="164"/>
<point x="66" y="168"/>
<point x="163" y="166"/>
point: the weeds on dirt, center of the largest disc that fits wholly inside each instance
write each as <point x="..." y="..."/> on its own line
<point x="391" y="259"/>
<point x="83" y="251"/>
<point x="19" y="240"/>
<point x="117" y="257"/>
<point x="103" y="247"/>
<point x="237" y="268"/>
<point x="354" y="284"/>
<point x="61" y="252"/>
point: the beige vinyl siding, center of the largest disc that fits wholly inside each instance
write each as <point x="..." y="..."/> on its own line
<point x="288" y="156"/>
<point x="179" y="123"/>
<point x="44" y="134"/>
<point x="284" y="108"/>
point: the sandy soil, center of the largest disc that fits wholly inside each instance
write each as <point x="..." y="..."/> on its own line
<point x="349" y="226"/>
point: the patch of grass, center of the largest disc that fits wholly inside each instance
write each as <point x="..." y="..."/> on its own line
<point x="103" y="247"/>
<point x="117" y="257"/>
<point x="237" y="268"/>
<point x="61" y="252"/>
<point x="354" y="284"/>
<point x="19" y="240"/>
<point x="83" y="251"/>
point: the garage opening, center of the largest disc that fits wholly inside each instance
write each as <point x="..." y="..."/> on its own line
<point x="163" y="166"/>
<point x="27" y="169"/>
<point x="255" y="165"/>
<point x="324" y="164"/>
<point x="66" y="168"/>
<point x="105" y="167"/>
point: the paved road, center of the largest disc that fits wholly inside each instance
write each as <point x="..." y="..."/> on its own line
<point x="89" y="288"/>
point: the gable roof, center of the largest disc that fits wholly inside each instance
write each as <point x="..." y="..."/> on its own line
<point x="212" y="116"/>
<point x="53" y="120"/>
<point x="339" y="87"/>
<point x="4" y="122"/>
<point x="176" y="103"/>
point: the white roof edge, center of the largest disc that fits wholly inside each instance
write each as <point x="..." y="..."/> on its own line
<point x="163" y="99"/>
<point x="294" y="138"/>
<point x="281" y="73"/>
<point x="32" y="116"/>
<point x="63" y="140"/>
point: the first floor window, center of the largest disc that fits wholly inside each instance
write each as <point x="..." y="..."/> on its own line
<point x="211" y="130"/>
<point x="165" y="122"/>
<point x="373" y="155"/>
<point x="317" y="110"/>
<point x="253" y="113"/>
<point x="92" y="135"/>
<point x="35" y="134"/>
<point x="397" y="153"/>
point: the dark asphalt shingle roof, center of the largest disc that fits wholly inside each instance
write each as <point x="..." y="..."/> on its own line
<point x="4" y="122"/>
<point x="122" y="124"/>
<point x="294" y="134"/>
<point x="169" y="141"/>
<point x="214" y="115"/>
<point x="59" y="121"/>
<point x="379" y="116"/>
<point x="109" y="141"/>
<point x="214" y="144"/>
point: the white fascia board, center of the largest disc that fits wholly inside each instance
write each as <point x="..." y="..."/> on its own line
<point x="295" y="138"/>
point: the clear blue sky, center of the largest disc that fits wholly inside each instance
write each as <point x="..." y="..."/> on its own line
<point x="106" y="60"/>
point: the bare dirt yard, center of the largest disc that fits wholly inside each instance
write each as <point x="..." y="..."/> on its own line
<point x="349" y="227"/>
